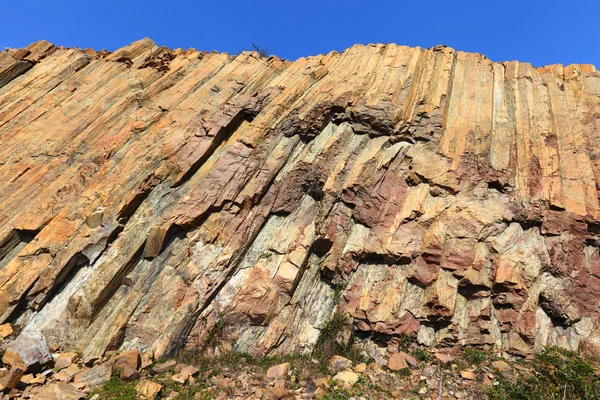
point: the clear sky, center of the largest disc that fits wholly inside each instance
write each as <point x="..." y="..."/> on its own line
<point x="536" y="31"/>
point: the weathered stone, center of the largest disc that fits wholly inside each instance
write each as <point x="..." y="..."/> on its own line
<point x="59" y="391"/>
<point x="11" y="379"/>
<point x="67" y="374"/>
<point x="339" y="363"/>
<point x="396" y="362"/>
<point x="409" y="359"/>
<point x="64" y="360"/>
<point x="147" y="389"/>
<point x="346" y="379"/>
<point x="95" y="376"/>
<point x="278" y="371"/>
<point x="275" y="393"/>
<point x="29" y="351"/>
<point x="500" y="365"/>
<point x="127" y="360"/>
<point x="163" y="367"/>
<point x="89" y="361"/>
<point x="468" y="375"/>
<point x="444" y="358"/>
<point x="184" y="374"/>
<point x="5" y="331"/>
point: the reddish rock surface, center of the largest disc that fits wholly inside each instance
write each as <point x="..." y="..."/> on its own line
<point x="150" y="196"/>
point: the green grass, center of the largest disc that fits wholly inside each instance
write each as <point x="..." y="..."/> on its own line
<point x="116" y="389"/>
<point x="557" y="374"/>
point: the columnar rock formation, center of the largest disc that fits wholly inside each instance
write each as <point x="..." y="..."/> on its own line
<point x="150" y="195"/>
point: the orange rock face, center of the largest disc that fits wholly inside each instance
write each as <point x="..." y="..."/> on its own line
<point x="153" y="198"/>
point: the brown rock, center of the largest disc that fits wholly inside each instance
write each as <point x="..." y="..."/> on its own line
<point x="184" y="374"/>
<point x="338" y="363"/>
<point x="278" y="371"/>
<point x="146" y="360"/>
<point x="59" y="391"/>
<point x="468" y="375"/>
<point x="409" y="359"/>
<point x="5" y="331"/>
<point x="346" y="379"/>
<point x="96" y="376"/>
<point x="27" y="379"/>
<point x="362" y="367"/>
<point x="147" y="389"/>
<point x="275" y="393"/>
<point x="500" y="365"/>
<point x="89" y="361"/>
<point x="29" y="351"/>
<point x="163" y="367"/>
<point x="64" y="360"/>
<point x="128" y="360"/>
<point x="322" y="382"/>
<point x="11" y="379"/>
<point x="396" y="362"/>
<point x="443" y="358"/>
<point x="320" y="393"/>
<point x="67" y="374"/>
<point x="21" y="54"/>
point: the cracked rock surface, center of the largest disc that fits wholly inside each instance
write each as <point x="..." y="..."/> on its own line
<point x="150" y="195"/>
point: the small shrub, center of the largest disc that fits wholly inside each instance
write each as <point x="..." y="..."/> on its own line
<point x="421" y="354"/>
<point x="331" y="342"/>
<point x="475" y="356"/>
<point x="338" y="291"/>
<point x="262" y="51"/>
<point x="557" y="374"/>
<point x="404" y="341"/>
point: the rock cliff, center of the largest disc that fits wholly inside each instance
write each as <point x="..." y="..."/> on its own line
<point x="150" y="196"/>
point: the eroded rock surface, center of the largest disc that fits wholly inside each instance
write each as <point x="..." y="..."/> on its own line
<point x="151" y="196"/>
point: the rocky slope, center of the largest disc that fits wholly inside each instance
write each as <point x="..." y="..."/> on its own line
<point x="151" y="196"/>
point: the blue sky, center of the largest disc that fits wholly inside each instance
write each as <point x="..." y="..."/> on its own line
<point x="540" y="32"/>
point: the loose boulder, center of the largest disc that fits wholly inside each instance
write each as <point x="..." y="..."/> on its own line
<point x="28" y="352"/>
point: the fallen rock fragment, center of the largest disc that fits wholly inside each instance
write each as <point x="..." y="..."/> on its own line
<point x="59" y="391"/>
<point x="11" y="379"/>
<point x="147" y="389"/>
<point x="444" y="358"/>
<point x="5" y="330"/>
<point x="163" y="367"/>
<point x="64" y="360"/>
<point x="500" y="365"/>
<point x="184" y="374"/>
<point x="396" y="362"/>
<point x="67" y="374"/>
<point x="468" y="375"/>
<point x="346" y="378"/>
<point x="29" y="351"/>
<point x="96" y="376"/>
<point x="339" y="363"/>
<point x="275" y="393"/>
<point x="278" y="371"/>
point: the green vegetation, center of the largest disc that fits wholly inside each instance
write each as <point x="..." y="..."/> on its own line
<point x="338" y="291"/>
<point x="332" y="341"/>
<point x="262" y="51"/>
<point x="116" y="389"/>
<point x="404" y="341"/>
<point x="557" y="374"/>
<point x="421" y="354"/>
<point x="266" y="254"/>
<point x="475" y="356"/>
